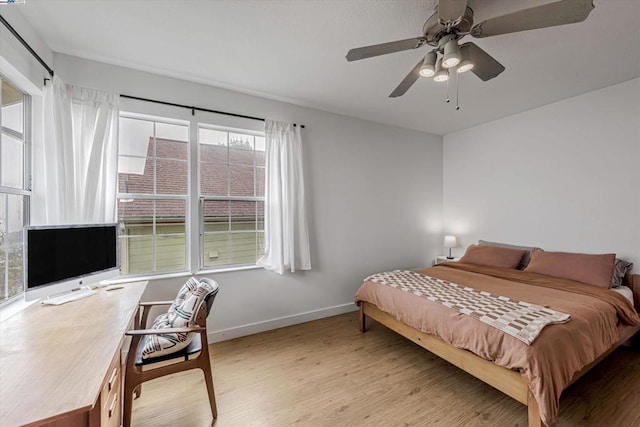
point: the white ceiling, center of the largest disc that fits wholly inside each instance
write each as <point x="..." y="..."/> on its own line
<point x="293" y="50"/>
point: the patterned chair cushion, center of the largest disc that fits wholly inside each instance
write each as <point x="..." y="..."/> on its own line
<point x="181" y="313"/>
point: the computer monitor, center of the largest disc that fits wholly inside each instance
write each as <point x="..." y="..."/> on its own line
<point x="64" y="257"/>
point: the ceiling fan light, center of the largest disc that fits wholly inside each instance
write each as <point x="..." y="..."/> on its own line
<point x="442" y="74"/>
<point x="451" y="56"/>
<point x="442" y="77"/>
<point x="428" y="68"/>
<point x="427" y="71"/>
<point x="464" y="66"/>
<point x="450" y="62"/>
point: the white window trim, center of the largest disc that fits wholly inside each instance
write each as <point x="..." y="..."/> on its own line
<point x="178" y="274"/>
<point x="12" y="76"/>
<point x="194" y="232"/>
<point x="201" y="268"/>
<point x="186" y="198"/>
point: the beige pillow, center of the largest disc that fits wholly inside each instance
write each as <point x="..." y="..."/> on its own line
<point x="593" y="269"/>
<point x="527" y="255"/>
<point x="493" y="256"/>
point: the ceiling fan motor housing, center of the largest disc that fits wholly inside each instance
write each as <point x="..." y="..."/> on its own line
<point x="433" y="30"/>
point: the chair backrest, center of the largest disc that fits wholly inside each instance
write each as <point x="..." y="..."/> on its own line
<point x="201" y="318"/>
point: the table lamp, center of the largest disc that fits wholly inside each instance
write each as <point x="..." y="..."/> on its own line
<point x="450" y="242"/>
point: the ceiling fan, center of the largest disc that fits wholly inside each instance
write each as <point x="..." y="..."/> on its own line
<point x="452" y="21"/>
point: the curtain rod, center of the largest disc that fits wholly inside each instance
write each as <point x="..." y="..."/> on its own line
<point x="26" y="45"/>
<point x="193" y="109"/>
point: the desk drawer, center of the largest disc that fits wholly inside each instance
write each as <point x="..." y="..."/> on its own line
<point x="111" y="394"/>
<point x="111" y="411"/>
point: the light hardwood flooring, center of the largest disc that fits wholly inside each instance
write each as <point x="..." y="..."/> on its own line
<point x="325" y="373"/>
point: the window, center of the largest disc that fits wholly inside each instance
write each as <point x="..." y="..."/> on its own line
<point x="14" y="190"/>
<point x="161" y="211"/>
<point x="232" y="196"/>
<point x="153" y="188"/>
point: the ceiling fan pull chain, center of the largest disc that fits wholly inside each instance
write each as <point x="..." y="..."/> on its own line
<point x="457" y="91"/>
<point x="447" y="98"/>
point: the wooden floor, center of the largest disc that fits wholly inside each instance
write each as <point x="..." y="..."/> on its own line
<point x="325" y="373"/>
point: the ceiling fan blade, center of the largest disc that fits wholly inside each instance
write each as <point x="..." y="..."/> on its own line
<point x="384" y="48"/>
<point x="408" y="81"/>
<point x="451" y="10"/>
<point x="484" y="66"/>
<point x="547" y="15"/>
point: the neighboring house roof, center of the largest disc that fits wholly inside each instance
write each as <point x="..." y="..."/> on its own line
<point x="233" y="171"/>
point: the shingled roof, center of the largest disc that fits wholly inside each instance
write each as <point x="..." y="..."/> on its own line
<point x="224" y="171"/>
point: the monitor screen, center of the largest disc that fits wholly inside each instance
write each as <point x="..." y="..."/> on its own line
<point x="70" y="254"/>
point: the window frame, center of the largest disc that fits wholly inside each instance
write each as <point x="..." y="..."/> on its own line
<point x="194" y="214"/>
<point x="202" y="199"/>
<point x="25" y="190"/>
<point x="186" y="198"/>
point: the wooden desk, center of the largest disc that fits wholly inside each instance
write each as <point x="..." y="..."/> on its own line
<point x="60" y="365"/>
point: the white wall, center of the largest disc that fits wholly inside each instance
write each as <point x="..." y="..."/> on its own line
<point x="16" y="63"/>
<point x="375" y="202"/>
<point x="564" y="177"/>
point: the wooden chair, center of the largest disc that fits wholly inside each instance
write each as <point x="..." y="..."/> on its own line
<point x="195" y="355"/>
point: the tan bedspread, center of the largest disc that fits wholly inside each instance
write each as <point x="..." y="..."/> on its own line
<point x="549" y="364"/>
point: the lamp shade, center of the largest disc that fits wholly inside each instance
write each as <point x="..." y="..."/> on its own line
<point x="451" y="54"/>
<point x="465" y="64"/>
<point x="450" y="241"/>
<point x="428" y="68"/>
<point x="442" y="74"/>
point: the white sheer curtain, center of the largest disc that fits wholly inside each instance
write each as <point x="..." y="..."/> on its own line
<point x="286" y="232"/>
<point x="76" y="160"/>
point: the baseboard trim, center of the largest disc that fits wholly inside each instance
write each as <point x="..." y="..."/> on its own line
<point x="280" y="322"/>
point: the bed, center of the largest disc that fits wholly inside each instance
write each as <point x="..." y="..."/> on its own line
<point x="533" y="374"/>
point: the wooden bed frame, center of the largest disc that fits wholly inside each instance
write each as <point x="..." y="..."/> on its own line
<point x="508" y="381"/>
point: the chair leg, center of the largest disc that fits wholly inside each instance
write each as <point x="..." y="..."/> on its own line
<point x="208" y="379"/>
<point x="204" y="362"/>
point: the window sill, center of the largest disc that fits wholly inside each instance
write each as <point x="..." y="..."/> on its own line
<point x="14" y="307"/>
<point x="228" y="269"/>
<point x="150" y="277"/>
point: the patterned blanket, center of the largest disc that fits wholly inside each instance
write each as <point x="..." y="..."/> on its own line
<point x="519" y="319"/>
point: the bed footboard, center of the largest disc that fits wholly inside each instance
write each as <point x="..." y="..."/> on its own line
<point x="507" y="381"/>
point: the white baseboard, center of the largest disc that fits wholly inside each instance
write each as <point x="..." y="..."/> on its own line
<point x="267" y="325"/>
